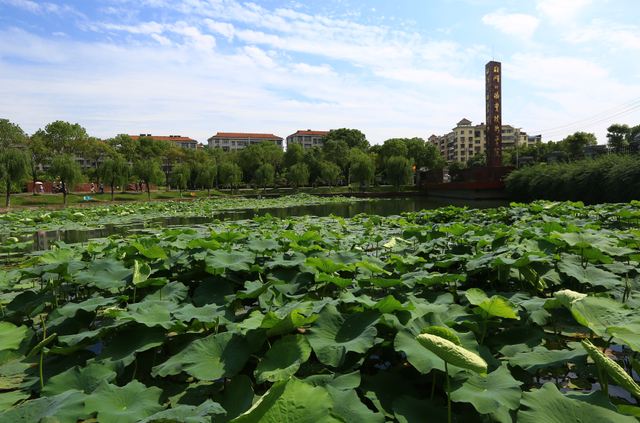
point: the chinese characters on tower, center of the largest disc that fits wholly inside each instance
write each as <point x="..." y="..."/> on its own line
<point x="493" y="74"/>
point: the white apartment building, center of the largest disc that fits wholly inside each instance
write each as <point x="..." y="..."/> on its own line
<point x="466" y="140"/>
<point x="238" y="141"/>
<point x="307" y="139"/>
<point x="179" y="140"/>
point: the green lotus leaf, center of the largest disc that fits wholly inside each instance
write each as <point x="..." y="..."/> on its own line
<point x="456" y="229"/>
<point x="389" y="304"/>
<point x="235" y="260"/>
<point x="498" y="307"/>
<point x="598" y="313"/>
<point x="628" y="336"/>
<point x="408" y="409"/>
<point x="347" y="404"/>
<point x="383" y="282"/>
<point x="292" y="401"/>
<point x="122" y="351"/>
<point x="292" y="321"/>
<point x="150" y="315"/>
<point x="488" y="394"/>
<point x="104" y="273"/>
<point x="63" y="408"/>
<point x="591" y="274"/>
<point x="10" y="398"/>
<point x="154" y="252"/>
<point x="11" y="335"/>
<point x="547" y="404"/>
<point x="442" y="332"/>
<point x="141" y="273"/>
<point x="216" y="356"/>
<point x="617" y="373"/>
<point x="542" y="358"/>
<point x="128" y="404"/>
<point x="476" y="296"/>
<point x="283" y="359"/>
<point x="342" y="382"/>
<point x="237" y="399"/>
<point x="286" y="260"/>
<point x="207" y="314"/>
<point x="337" y="280"/>
<point x="174" y="292"/>
<point x="84" y="379"/>
<point x="92" y="304"/>
<point x="61" y="254"/>
<point x="372" y="268"/>
<point x="263" y="244"/>
<point x="334" y="334"/>
<point x="187" y="413"/>
<point x="40" y="346"/>
<point x="326" y="265"/>
<point x="452" y="353"/>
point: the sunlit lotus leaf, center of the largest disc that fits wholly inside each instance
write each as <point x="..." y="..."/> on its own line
<point x="373" y="268"/>
<point x="201" y="243"/>
<point x="546" y="404"/>
<point x="128" y="404"/>
<point x="90" y="305"/>
<point x="591" y="274"/>
<point x="216" y="356"/>
<point x="155" y="252"/>
<point x="150" y="315"/>
<point x="292" y="401"/>
<point x="488" y="394"/>
<point x="327" y="265"/>
<point x="187" y="413"/>
<point x="286" y="260"/>
<point x="64" y="408"/>
<point x="84" y="379"/>
<point x="334" y="334"/>
<point x="586" y="240"/>
<point x="104" y="273"/>
<point x="309" y="236"/>
<point x="10" y="398"/>
<point x="542" y="358"/>
<point x="61" y="254"/>
<point x="342" y="382"/>
<point x="389" y="304"/>
<point x="235" y="260"/>
<point x="11" y="335"/>
<point x="349" y="406"/>
<point x="226" y="236"/>
<point x="283" y="359"/>
<point x="499" y="307"/>
<point x="290" y="322"/>
<point x="263" y="244"/>
<point x="206" y="314"/>
<point x="337" y="280"/>
<point x="476" y="296"/>
<point x="598" y="313"/>
<point x="13" y="373"/>
<point x="383" y="282"/>
<point x="141" y="273"/>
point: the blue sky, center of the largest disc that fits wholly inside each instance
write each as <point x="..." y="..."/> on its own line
<point x="391" y="69"/>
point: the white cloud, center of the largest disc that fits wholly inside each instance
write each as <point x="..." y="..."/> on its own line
<point x="223" y="28"/>
<point x="60" y="34"/>
<point x="162" y="40"/>
<point x="516" y="24"/>
<point x="617" y="36"/>
<point x="561" y="11"/>
<point x="42" y="7"/>
<point x="259" y="57"/>
<point x="313" y="70"/>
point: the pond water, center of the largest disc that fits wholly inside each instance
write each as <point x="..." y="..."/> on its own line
<point x="383" y="207"/>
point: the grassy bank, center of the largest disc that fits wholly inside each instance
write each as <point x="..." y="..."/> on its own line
<point x="78" y="198"/>
<point x="613" y="179"/>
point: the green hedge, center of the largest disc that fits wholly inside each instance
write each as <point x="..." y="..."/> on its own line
<point x="614" y="179"/>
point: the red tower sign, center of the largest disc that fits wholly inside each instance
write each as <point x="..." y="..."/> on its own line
<point x="493" y="75"/>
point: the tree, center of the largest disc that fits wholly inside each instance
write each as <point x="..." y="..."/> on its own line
<point x="149" y="172"/>
<point x="64" y="137"/>
<point x="180" y="176"/>
<point x="115" y="172"/>
<point x="298" y="175"/>
<point x="151" y="148"/>
<point x="394" y="147"/>
<point x="293" y="155"/>
<point x="14" y="165"/>
<point x="457" y="165"/>
<point x="479" y="160"/>
<point x="363" y="171"/>
<point x="230" y="174"/>
<point x="124" y="145"/>
<point x="330" y="172"/>
<point x="265" y="175"/>
<point x="352" y="137"/>
<point x="206" y="174"/>
<point x="400" y="170"/>
<point x="38" y="152"/>
<point x="272" y="154"/>
<point x="617" y="135"/>
<point x="314" y="159"/>
<point x="250" y="158"/>
<point x="170" y="155"/>
<point x="66" y="168"/>
<point x="633" y="137"/>
<point x="97" y="151"/>
<point x="575" y="142"/>
<point x="11" y="135"/>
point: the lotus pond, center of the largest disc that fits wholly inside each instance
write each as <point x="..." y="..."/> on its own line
<point x="526" y="313"/>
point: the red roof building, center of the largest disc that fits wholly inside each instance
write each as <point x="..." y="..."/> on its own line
<point x="307" y="139"/>
<point x="179" y="140"/>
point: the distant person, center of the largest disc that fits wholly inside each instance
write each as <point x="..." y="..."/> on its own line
<point x="136" y="187"/>
<point x="102" y="188"/>
<point x="41" y="189"/>
<point x="93" y="188"/>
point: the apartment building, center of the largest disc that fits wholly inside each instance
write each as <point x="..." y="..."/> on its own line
<point x="179" y="140"/>
<point x="467" y="140"/>
<point x="229" y="141"/>
<point x="307" y="139"/>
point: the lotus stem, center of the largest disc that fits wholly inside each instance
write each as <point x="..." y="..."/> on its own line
<point x="44" y="336"/>
<point x="446" y="370"/>
<point x="433" y="386"/>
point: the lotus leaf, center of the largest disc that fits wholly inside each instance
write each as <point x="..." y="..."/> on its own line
<point x="64" y="408"/>
<point x="188" y="414"/>
<point x="84" y="379"/>
<point x="283" y="359"/>
<point x="348" y="405"/>
<point x="488" y="394"/>
<point x="128" y="404"/>
<point x="216" y="356"/>
<point x="11" y="335"/>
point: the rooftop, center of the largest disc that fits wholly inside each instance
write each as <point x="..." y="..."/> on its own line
<point x="244" y="135"/>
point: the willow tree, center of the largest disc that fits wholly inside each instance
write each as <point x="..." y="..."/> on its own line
<point x="149" y="172"/>
<point x="206" y="175"/>
<point x="298" y="175"/>
<point x="14" y="165"/>
<point x="115" y="172"/>
<point x="180" y="176"/>
<point x="66" y="168"/>
<point x="265" y="175"/>
<point x="230" y="173"/>
<point x="400" y="170"/>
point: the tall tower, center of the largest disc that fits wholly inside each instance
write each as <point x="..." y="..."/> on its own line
<point x="493" y="74"/>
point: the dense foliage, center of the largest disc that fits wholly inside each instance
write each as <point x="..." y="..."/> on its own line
<point x="609" y="178"/>
<point x="369" y="319"/>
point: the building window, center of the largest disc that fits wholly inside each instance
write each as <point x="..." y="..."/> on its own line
<point x="299" y="138"/>
<point x="477" y="134"/>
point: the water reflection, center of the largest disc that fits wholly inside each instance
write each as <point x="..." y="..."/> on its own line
<point x="42" y="240"/>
